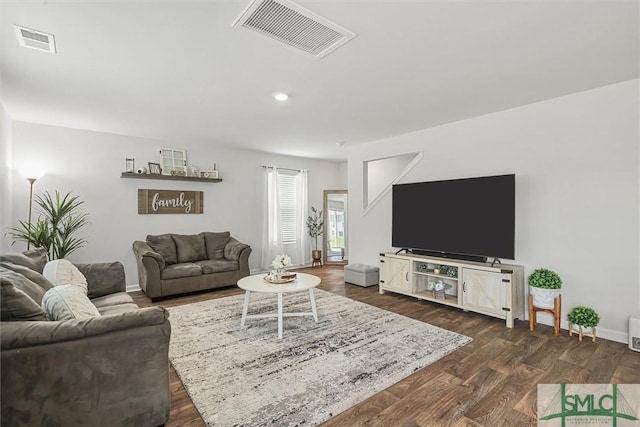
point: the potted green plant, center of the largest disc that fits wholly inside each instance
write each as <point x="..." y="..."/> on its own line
<point x="583" y="319"/>
<point x="544" y="286"/>
<point x="315" y="228"/>
<point x="59" y="219"/>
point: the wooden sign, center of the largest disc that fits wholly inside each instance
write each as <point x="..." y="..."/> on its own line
<point x="169" y="202"/>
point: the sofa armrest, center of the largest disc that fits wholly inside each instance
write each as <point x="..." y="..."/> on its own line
<point x="110" y="370"/>
<point x="21" y="334"/>
<point x="237" y="251"/>
<point x="142" y="249"/>
<point x="104" y="278"/>
<point x="150" y="264"/>
<point x="233" y="249"/>
<point x="243" y="262"/>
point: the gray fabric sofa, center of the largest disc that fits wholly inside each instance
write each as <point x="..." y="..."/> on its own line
<point x="171" y="264"/>
<point x="109" y="370"/>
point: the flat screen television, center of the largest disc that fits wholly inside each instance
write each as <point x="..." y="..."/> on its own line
<point x="471" y="218"/>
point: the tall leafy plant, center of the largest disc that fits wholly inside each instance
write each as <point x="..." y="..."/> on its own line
<point x="315" y="224"/>
<point x="60" y="218"/>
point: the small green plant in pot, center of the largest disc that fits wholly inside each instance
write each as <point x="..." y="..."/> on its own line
<point x="585" y="317"/>
<point x="544" y="285"/>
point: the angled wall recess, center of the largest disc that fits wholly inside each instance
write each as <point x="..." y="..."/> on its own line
<point x="298" y="28"/>
<point x="34" y="39"/>
<point x="381" y="174"/>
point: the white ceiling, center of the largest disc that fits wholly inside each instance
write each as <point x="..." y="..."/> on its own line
<point x="179" y="72"/>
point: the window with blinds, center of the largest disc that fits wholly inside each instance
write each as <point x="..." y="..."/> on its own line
<point x="288" y="202"/>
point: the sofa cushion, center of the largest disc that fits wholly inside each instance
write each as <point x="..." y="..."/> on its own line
<point x="62" y="272"/>
<point x="165" y="246"/>
<point x="30" y="274"/>
<point x="15" y="304"/>
<point x="104" y="278"/>
<point x="34" y="259"/>
<point x="67" y="302"/>
<point x="176" y="271"/>
<point x="112" y="299"/>
<point x="218" y="266"/>
<point x="215" y="243"/>
<point x="32" y="289"/>
<point x="190" y="248"/>
<point x="233" y="248"/>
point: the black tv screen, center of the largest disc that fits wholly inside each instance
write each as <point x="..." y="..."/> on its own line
<point x="471" y="216"/>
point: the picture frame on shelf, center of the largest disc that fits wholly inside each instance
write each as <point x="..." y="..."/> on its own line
<point x="210" y="174"/>
<point x="173" y="159"/>
<point x="129" y="165"/>
<point x="154" y="168"/>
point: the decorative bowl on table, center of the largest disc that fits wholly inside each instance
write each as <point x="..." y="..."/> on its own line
<point x="285" y="278"/>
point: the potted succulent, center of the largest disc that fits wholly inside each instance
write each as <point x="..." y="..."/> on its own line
<point x="544" y="286"/>
<point x="315" y="227"/>
<point x="583" y="319"/>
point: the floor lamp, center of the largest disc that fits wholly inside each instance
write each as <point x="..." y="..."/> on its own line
<point x="32" y="177"/>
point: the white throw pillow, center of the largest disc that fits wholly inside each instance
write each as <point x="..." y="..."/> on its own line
<point x="62" y="272"/>
<point x="65" y="302"/>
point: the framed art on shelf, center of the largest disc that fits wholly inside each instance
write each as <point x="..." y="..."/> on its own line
<point x="154" y="168"/>
<point x="173" y="159"/>
<point x="129" y="165"/>
<point x="211" y="174"/>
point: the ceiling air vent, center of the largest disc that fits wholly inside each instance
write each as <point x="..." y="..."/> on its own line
<point x="297" y="27"/>
<point x="35" y="39"/>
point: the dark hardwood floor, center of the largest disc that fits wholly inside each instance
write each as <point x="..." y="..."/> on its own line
<point x="489" y="382"/>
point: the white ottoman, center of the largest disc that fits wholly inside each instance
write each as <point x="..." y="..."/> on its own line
<point x="361" y="274"/>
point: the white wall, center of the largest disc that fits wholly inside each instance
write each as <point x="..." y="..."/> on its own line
<point x="576" y="160"/>
<point x="90" y="163"/>
<point x="6" y="178"/>
<point x="343" y="170"/>
<point x="380" y="173"/>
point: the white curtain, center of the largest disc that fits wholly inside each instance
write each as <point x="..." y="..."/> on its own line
<point x="301" y="254"/>
<point x="271" y="240"/>
<point x="272" y="244"/>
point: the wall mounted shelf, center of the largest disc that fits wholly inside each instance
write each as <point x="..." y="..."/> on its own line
<point x="168" y="177"/>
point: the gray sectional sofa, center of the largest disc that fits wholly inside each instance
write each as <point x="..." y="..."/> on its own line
<point x="107" y="370"/>
<point x="172" y="264"/>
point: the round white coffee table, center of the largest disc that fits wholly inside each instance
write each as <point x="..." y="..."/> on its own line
<point x="256" y="283"/>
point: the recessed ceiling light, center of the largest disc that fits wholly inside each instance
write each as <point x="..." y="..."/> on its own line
<point x="340" y="143"/>
<point x="280" y="96"/>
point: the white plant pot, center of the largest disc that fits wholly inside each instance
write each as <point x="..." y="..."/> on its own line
<point x="585" y="330"/>
<point x="543" y="298"/>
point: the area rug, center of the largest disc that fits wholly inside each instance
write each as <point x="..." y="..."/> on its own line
<point x="248" y="377"/>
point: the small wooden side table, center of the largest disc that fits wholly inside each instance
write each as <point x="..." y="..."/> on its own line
<point x="555" y="311"/>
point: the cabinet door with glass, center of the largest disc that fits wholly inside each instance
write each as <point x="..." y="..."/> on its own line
<point x="173" y="159"/>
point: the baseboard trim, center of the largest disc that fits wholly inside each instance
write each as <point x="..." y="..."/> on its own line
<point x="609" y="334"/>
<point x="133" y="287"/>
